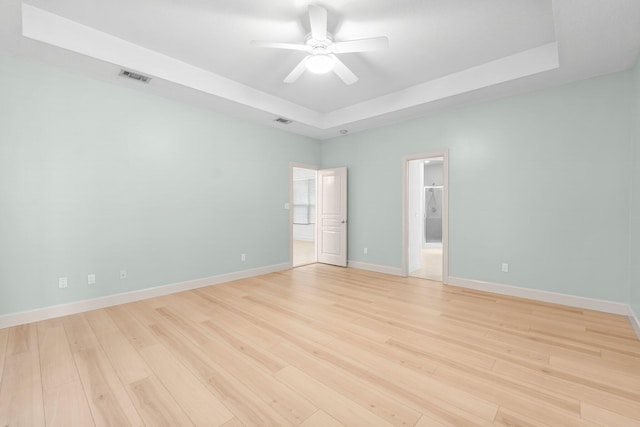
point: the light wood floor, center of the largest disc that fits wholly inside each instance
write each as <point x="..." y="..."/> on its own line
<point x="323" y="346"/>
<point x="430" y="264"/>
<point x="304" y="252"/>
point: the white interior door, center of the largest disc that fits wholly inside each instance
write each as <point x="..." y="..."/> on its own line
<point x="332" y="216"/>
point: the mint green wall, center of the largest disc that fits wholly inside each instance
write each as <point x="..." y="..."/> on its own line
<point x="634" y="254"/>
<point x="540" y="181"/>
<point x="95" y="178"/>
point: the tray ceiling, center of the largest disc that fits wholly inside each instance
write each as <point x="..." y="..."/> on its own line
<point x="441" y="53"/>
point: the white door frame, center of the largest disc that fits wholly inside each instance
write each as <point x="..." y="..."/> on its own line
<point x="304" y="166"/>
<point x="445" y="210"/>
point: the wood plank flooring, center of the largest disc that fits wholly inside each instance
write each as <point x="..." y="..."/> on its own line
<point x="323" y="346"/>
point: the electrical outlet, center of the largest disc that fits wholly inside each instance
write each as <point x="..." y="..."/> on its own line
<point x="366" y="251"/>
<point x="91" y="279"/>
<point x="62" y="282"/>
<point x="243" y="257"/>
<point x="286" y="206"/>
<point x="123" y="274"/>
<point x="505" y="267"/>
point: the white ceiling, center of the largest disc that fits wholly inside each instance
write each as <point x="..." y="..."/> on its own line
<point x="442" y="53"/>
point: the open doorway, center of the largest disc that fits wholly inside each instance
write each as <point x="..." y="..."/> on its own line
<point x="303" y="215"/>
<point x="426" y="217"/>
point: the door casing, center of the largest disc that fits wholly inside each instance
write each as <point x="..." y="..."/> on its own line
<point x="304" y="166"/>
<point x="445" y="210"/>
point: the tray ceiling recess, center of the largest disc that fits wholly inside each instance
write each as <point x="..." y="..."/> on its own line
<point x="421" y="57"/>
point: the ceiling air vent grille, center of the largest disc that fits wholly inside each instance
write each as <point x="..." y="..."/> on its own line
<point x="135" y="76"/>
<point x="283" y="120"/>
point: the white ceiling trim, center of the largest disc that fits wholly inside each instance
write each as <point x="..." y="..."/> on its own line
<point x="522" y="64"/>
<point x="55" y="30"/>
<point x="50" y="28"/>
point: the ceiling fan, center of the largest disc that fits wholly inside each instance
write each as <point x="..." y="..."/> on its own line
<point x="322" y="49"/>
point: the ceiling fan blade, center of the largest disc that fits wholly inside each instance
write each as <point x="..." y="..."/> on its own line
<point x="289" y="46"/>
<point x="318" y="22"/>
<point x="343" y="72"/>
<point x="297" y="71"/>
<point x="362" y="45"/>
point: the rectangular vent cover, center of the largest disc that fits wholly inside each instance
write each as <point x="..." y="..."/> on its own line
<point x="135" y="76"/>
<point x="283" y="120"/>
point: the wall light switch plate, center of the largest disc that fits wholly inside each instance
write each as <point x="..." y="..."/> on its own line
<point x="286" y="206"/>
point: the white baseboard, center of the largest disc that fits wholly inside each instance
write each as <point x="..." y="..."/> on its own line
<point x="21" y="318"/>
<point x="635" y="322"/>
<point x="395" y="271"/>
<point x="544" y="296"/>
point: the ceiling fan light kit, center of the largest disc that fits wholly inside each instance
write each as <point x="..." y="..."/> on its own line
<point x="321" y="49"/>
<point x="319" y="64"/>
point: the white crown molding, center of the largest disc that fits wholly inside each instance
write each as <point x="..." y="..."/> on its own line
<point x="522" y="64"/>
<point x="544" y="296"/>
<point x="21" y="318"/>
<point x="44" y="26"/>
<point x="38" y="24"/>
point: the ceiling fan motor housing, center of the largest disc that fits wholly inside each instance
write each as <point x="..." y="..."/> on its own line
<point x="320" y="46"/>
